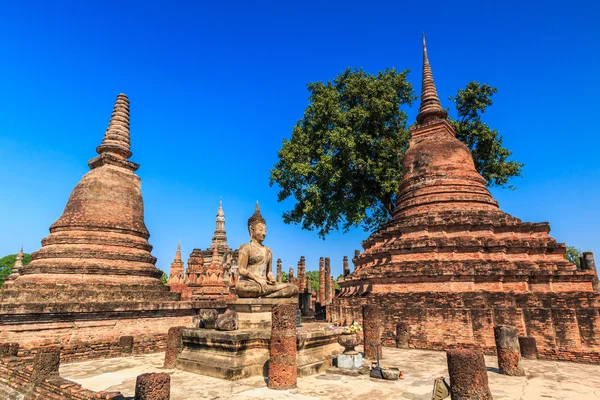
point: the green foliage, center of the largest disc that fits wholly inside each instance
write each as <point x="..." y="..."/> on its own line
<point x="284" y="277"/>
<point x="485" y="143"/>
<point x="7" y="263"/>
<point x="335" y="282"/>
<point x="343" y="162"/>
<point x="573" y="255"/>
<point x="314" y="279"/>
<point x="164" y="278"/>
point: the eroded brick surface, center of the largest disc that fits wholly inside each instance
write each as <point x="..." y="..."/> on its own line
<point x="282" y="348"/>
<point x="153" y="386"/>
<point x="468" y="375"/>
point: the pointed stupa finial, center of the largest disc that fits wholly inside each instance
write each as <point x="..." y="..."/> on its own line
<point x="178" y="252"/>
<point x="220" y="212"/>
<point x="430" y="109"/>
<point x="116" y="138"/>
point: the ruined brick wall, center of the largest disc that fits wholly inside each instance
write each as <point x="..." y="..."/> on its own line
<point x="16" y="376"/>
<point x="566" y="326"/>
<point x="88" y="339"/>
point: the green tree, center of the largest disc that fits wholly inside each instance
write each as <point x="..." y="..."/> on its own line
<point x="7" y="263"/>
<point x="343" y="163"/>
<point x="284" y="277"/>
<point x="573" y="255"/>
<point x="314" y="280"/>
<point x="491" y="159"/>
<point x="164" y="278"/>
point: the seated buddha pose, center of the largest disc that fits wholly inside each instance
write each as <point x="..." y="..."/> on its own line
<point x="254" y="265"/>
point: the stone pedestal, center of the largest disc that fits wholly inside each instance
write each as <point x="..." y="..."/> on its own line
<point x="244" y="352"/>
<point x="241" y="354"/>
<point x="509" y="351"/>
<point x="345" y="361"/>
<point x="256" y="313"/>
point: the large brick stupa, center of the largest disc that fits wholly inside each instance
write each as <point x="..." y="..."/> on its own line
<point x="452" y="265"/>
<point x="94" y="279"/>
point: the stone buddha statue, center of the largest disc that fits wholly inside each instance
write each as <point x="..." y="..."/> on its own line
<point x="254" y="265"/>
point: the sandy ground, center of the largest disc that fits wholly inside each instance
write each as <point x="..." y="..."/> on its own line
<point x="545" y="380"/>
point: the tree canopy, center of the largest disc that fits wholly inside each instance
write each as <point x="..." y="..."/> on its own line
<point x="343" y="163"/>
<point x="7" y="263"/>
<point x="573" y="255"/>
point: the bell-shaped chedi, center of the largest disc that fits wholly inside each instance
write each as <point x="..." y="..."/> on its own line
<point x="451" y="263"/>
<point x="100" y="241"/>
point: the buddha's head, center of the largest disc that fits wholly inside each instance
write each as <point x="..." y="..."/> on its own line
<point x="257" y="226"/>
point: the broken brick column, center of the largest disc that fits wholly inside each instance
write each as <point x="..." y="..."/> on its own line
<point x="346" y="267"/>
<point x="509" y="352"/>
<point x="322" y="281"/>
<point x="372" y="331"/>
<point x="528" y="347"/>
<point x="402" y="335"/>
<point x="279" y="272"/>
<point x="282" y="348"/>
<point x="468" y="375"/>
<point x="174" y="346"/>
<point x="327" y="281"/>
<point x="153" y="386"/>
<point x="46" y="362"/>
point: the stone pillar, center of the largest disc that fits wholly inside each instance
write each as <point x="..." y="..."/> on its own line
<point x="309" y="292"/>
<point x="321" y="281"/>
<point x="279" y="274"/>
<point x="509" y="352"/>
<point x="291" y="278"/>
<point x="372" y="331"/>
<point x="346" y="267"/>
<point x="174" y="346"/>
<point x="153" y="386"/>
<point x="282" y="348"/>
<point x="468" y="375"/>
<point x="45" y="363"/>
<point x="528" y="347"/>
<point x="402" y="335"/>
<point x="327" y="281"/>
<point x="588" y="261"/>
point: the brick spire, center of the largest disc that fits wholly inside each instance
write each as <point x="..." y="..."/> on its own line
<point x="430" y="109"/>
<point x="116" y="137"/>
<point x="178" y="252"/>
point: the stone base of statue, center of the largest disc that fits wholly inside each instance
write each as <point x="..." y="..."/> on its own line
<point x="256" y="313"/>
<point x="245" y="352"/>
<point x="345" y="361"/>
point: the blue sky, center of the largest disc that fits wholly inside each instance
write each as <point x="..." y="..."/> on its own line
<point x="215" y="87"/>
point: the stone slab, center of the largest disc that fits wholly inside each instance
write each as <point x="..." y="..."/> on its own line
<point x="345" y="361"/>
